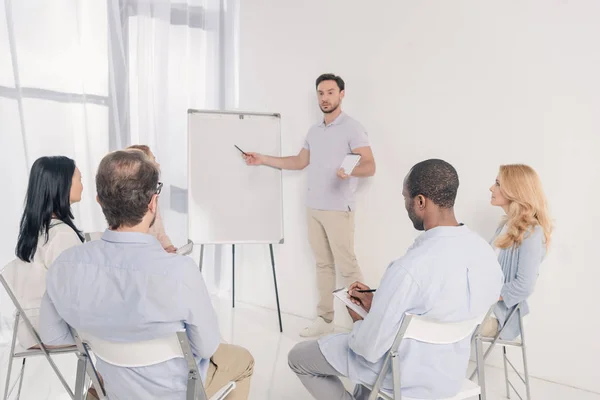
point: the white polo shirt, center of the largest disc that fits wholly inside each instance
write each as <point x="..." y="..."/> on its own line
<point x="328" y="145"/>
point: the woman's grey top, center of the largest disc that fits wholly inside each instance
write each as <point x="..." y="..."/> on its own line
<point x="520" y="266"/>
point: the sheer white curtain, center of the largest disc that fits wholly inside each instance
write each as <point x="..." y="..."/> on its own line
<point x="81" y="78"/>
<point x="182" y="55"/>
<point x="53" y="99"/>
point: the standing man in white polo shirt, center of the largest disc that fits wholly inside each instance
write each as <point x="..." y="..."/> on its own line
<point x="330" y="193"/>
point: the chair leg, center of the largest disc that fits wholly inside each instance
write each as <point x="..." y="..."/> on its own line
<point x="195" y="389"/>
<point x="21" y="379"/>
<point x="7" y="386"/>
<point x="525" y="367"/>
<point x="10" y="356"/>
<point x="526" y="372"/>
<point x="95" y="378"/>
<point x="80" y="378"/>
<point x="504" y="356"/>
<point x="58" y="374"/>
<point x="480" y="367"/>
<point x="396" y="375"/>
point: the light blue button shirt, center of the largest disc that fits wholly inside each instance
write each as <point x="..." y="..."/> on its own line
<point x="126" y="288"/>
<point x="448" y="274"/>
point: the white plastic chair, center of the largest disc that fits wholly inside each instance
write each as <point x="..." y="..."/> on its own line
<point x="146" y="353"/>
<point x="479" y="340"/>
<point x="17" y="351"/>
<point x="426" y="330"/>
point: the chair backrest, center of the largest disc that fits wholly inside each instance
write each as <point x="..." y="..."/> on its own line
<point x="89" y="236"/>
<point x="432" y="331"/>
<point x="425" y="330"/>
<point x="144" y="353"/>
<point x="8" y="276"/>
<point x="134" y="354"/>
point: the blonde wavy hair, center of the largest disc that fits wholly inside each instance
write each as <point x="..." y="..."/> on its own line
<point x="521" y="186"/>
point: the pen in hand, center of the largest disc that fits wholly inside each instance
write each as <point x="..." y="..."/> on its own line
<point x="242" y="151"/>
<point x="366" y="291"/>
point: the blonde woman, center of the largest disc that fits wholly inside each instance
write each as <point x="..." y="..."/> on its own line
<point x="158" y="229"/>
<point x="521" y="242"/>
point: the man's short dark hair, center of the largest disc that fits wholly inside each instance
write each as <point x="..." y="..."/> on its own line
<point x="331" y="77"/>
<point x="125" y="182"/>
<point x="434" y="179"/>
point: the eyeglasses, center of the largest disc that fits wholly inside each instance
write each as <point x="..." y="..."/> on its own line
<point x="159" y="188"/>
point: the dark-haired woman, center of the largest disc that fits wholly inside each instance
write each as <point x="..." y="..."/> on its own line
<point x="46" y="230"/>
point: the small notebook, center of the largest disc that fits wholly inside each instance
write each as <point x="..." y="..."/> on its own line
<point x="342" y="294"/>
<point x="350" y="162"/>
<point x="224" y="391"/>
<point x="186" y="248"/>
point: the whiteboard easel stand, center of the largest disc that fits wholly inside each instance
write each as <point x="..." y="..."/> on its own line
<point x="200" y="262"/>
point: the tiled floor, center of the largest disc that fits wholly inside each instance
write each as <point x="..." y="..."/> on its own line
<point x="257" y="330"/>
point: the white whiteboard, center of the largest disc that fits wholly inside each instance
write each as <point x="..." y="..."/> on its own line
<point x="228" y="201"/>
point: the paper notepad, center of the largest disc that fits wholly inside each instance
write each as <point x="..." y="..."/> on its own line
<point x="186" y="248"/>
<point x="224" y="391"/>
<point x="342" y="294"/>
<point x="350" y="162"/>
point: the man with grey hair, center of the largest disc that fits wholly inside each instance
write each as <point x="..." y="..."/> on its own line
<point x="126" y="288"/>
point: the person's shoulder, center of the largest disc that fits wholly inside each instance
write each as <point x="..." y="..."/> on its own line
<point x="313" y="131"/>
<point x="536" y="232"/>
<point x="478" y="243"/>
<point x="182" y="266"/>
<point x="534" y="237"/>
<point x="408" y="264"/>
<point x="352" y="122"/>
<point x="478" y="239"/>
<point x="315" y="127"/>
<point x="76" y="252"/>
<point x="405" y="270"/>
<point x="61" y="235"/>
<point x="59" y="228"/>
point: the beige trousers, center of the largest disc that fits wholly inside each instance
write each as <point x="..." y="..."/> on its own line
<point x="489" y="327"/>
<point x="230" y="363"/>
<point x="331" y="236"/>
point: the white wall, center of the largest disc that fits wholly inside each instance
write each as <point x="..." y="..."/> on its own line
<point x="475" y="83"/>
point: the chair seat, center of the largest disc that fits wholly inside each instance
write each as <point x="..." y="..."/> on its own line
<point x="468" y="389"/>
<point x="21" y="352"/>
<point x="134" y="354"/>
<point x="516" y="343"/>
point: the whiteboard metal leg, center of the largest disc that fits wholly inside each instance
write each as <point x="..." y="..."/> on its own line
<point x="276" y="290"/>
<point x="201" y="257"/>
<point x="233" y="276"/>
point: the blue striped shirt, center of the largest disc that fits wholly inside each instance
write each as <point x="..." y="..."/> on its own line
<point x="126" y="288"/>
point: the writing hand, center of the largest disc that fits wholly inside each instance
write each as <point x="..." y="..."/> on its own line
<point x="362" y="299"/>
